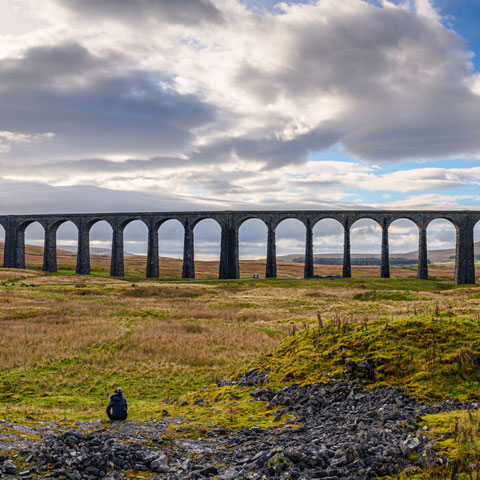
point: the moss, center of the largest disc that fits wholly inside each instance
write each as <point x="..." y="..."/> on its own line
<point x="434" y="359"/>
<point x="137" y="475"/>
<point x="457" y="439"/>
<point x="226" y="407"/>
<point x="277" y="464"/>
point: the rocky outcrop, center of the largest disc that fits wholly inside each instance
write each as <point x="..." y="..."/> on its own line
<point x="336" y="430"/>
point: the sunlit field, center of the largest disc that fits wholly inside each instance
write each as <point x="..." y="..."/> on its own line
<point x="67" y="340"/>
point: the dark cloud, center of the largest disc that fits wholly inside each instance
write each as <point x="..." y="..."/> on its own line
<point x="92" y="110"/>
<point x="99" y="165"/>
<point x="273" y="151"/>
<point x="404" y="81"/>
<point x="186" y="12"/>
<point x="50" y="66"/>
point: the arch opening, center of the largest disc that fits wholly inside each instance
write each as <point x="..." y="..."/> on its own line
<point x="476" y="248"/>
<point x="366" y="245"/>
<point x="403" y="236"/>
<point x="328" y="240"/>
<point x="135" y="238"/>
<point x="441" y="241"/>
<point x="100" y="246"/>
<point x="2" y="244"/>
<point x="207" y="235"/>
<point x="34" y="235"/>
<point x="290" y="239"/>
<point x="67" y="245"/>
<point x="170" y="248"/>
<point x="252" y="241"/>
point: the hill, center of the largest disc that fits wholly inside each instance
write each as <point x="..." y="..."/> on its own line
<point x="441" y="255"/>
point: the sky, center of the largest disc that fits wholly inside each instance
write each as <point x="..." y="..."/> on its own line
<point x="154" y="105"/>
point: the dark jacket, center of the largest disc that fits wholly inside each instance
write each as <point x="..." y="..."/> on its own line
<point x="117" y="407"/>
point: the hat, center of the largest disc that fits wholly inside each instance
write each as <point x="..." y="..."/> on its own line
<point x="118" y="390"/>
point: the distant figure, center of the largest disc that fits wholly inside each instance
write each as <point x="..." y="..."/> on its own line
<point x="117" y="407"/>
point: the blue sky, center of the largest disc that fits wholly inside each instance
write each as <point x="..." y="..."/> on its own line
<point x="464" y="18"/>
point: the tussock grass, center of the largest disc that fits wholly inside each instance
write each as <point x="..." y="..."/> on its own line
<point x="433" y="357"/>
<point x="68" y="340"/>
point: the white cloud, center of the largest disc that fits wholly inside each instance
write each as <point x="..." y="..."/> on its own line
<point x="9" y="139"/>
<point x="425" y="9"/>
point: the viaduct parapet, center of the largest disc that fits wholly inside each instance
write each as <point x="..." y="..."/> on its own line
<point x="230" y="222"/>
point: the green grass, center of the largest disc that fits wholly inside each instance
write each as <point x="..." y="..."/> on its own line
<point x="367" y="328"/>
<point x="393" y="296"/>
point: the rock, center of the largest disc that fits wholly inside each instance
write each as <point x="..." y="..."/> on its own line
<point x="206" y="472"/>
<point x="159" y="465"/>
<point x="340" y="431"/>
<point x="9" y="467"/>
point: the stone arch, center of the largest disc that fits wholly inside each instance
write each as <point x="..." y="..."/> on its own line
<point x="100" y="243"/>
<point x="321" y="219"/>
<point x="328" y="237"/>
<point x="207" y="232"/>
<point x="285" y="217"/>
<point x="30" y="243"/>
<point x="404" y="238"/>
<point x="415" y="220"/>
<point x="359" y="218"/>
<point x="66" y="238"/>
<point x="256" y="232"/>
<point x="171" y="232"/>
<point x="250" y="217"/>
<point x="476" y="240"/>
<point x="195" y="221"/>
<point x="290" y="235"/>
<point x="364" y="232"/>
<point x="442" y="242"/>
<point x="135" y="242"/>
<point x="2" y="242"/>
<point x="442" y="217"/>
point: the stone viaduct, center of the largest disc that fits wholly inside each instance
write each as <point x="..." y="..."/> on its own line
<point x="230" y="222"/>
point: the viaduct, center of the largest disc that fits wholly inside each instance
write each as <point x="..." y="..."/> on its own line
<point x="230" y="222"/>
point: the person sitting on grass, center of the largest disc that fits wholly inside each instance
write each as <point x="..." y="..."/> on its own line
<point x="117" y="407"/>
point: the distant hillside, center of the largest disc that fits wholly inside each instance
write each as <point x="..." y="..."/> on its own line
<point x="35" y="250"/>
<point x="433" y="255"/>
<point x="93" y="250"/>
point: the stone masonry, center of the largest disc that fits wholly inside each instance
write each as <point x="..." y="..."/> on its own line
<point x="230" y="222"/>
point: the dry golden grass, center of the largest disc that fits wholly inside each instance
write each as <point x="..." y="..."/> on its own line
<point x="10" y="275"/>
<point x="70" y="338"/>
<point x="49" y="337"/>
<point x="194" y="343"/>
<point x="52" y="316"/>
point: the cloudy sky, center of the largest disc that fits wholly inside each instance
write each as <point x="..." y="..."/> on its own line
<point x="121" y="105"/>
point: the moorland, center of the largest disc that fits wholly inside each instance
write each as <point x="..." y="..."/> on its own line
<point x="68" y="340"/>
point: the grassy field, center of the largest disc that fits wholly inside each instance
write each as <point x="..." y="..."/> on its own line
<point x="68" y="340"/>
